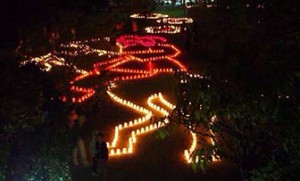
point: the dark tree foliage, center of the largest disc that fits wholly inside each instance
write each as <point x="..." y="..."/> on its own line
<point x="33" y="144"/>
<point x="251" y="85"/>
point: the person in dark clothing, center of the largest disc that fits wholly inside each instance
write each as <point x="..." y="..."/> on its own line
<point x="76" y="138"/>
<point x="99" y="152"/>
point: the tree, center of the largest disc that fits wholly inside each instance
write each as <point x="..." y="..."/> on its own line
<point x="251" y="86"/>
<point x="31" y="143"/>
<point x="250" y="125"/>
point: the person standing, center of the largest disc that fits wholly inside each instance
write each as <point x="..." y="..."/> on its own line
<point x="93" y="153"/>
<point x="77" y="142"/>
<point x="99" y="152"/>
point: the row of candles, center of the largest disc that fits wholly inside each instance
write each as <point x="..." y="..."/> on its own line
<point x="145" y="129"/>
<point x="175" y="21"/>
<point x="133" y="52"/>
<point x="143" y="76"/>
<point x="163" y="18"/>
<point x="129" y="124"/>
<point x="148" y="16"/>
<point x="92" y="40"/>
<point x="140" y="71"/>
<point x="165" y="24"/>
<point x="160" y="29"/>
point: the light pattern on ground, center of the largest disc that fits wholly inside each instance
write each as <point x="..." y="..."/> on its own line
<point x="147" y="51"/>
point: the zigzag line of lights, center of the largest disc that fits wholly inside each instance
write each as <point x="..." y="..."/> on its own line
<point x="187" y="152"/>
<point x="145" y="129"/>
<point x="175" y="21"/>
<point x="132" y="139"/>
<point x="148" y="16"/>
<point x="128" y="124"/>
